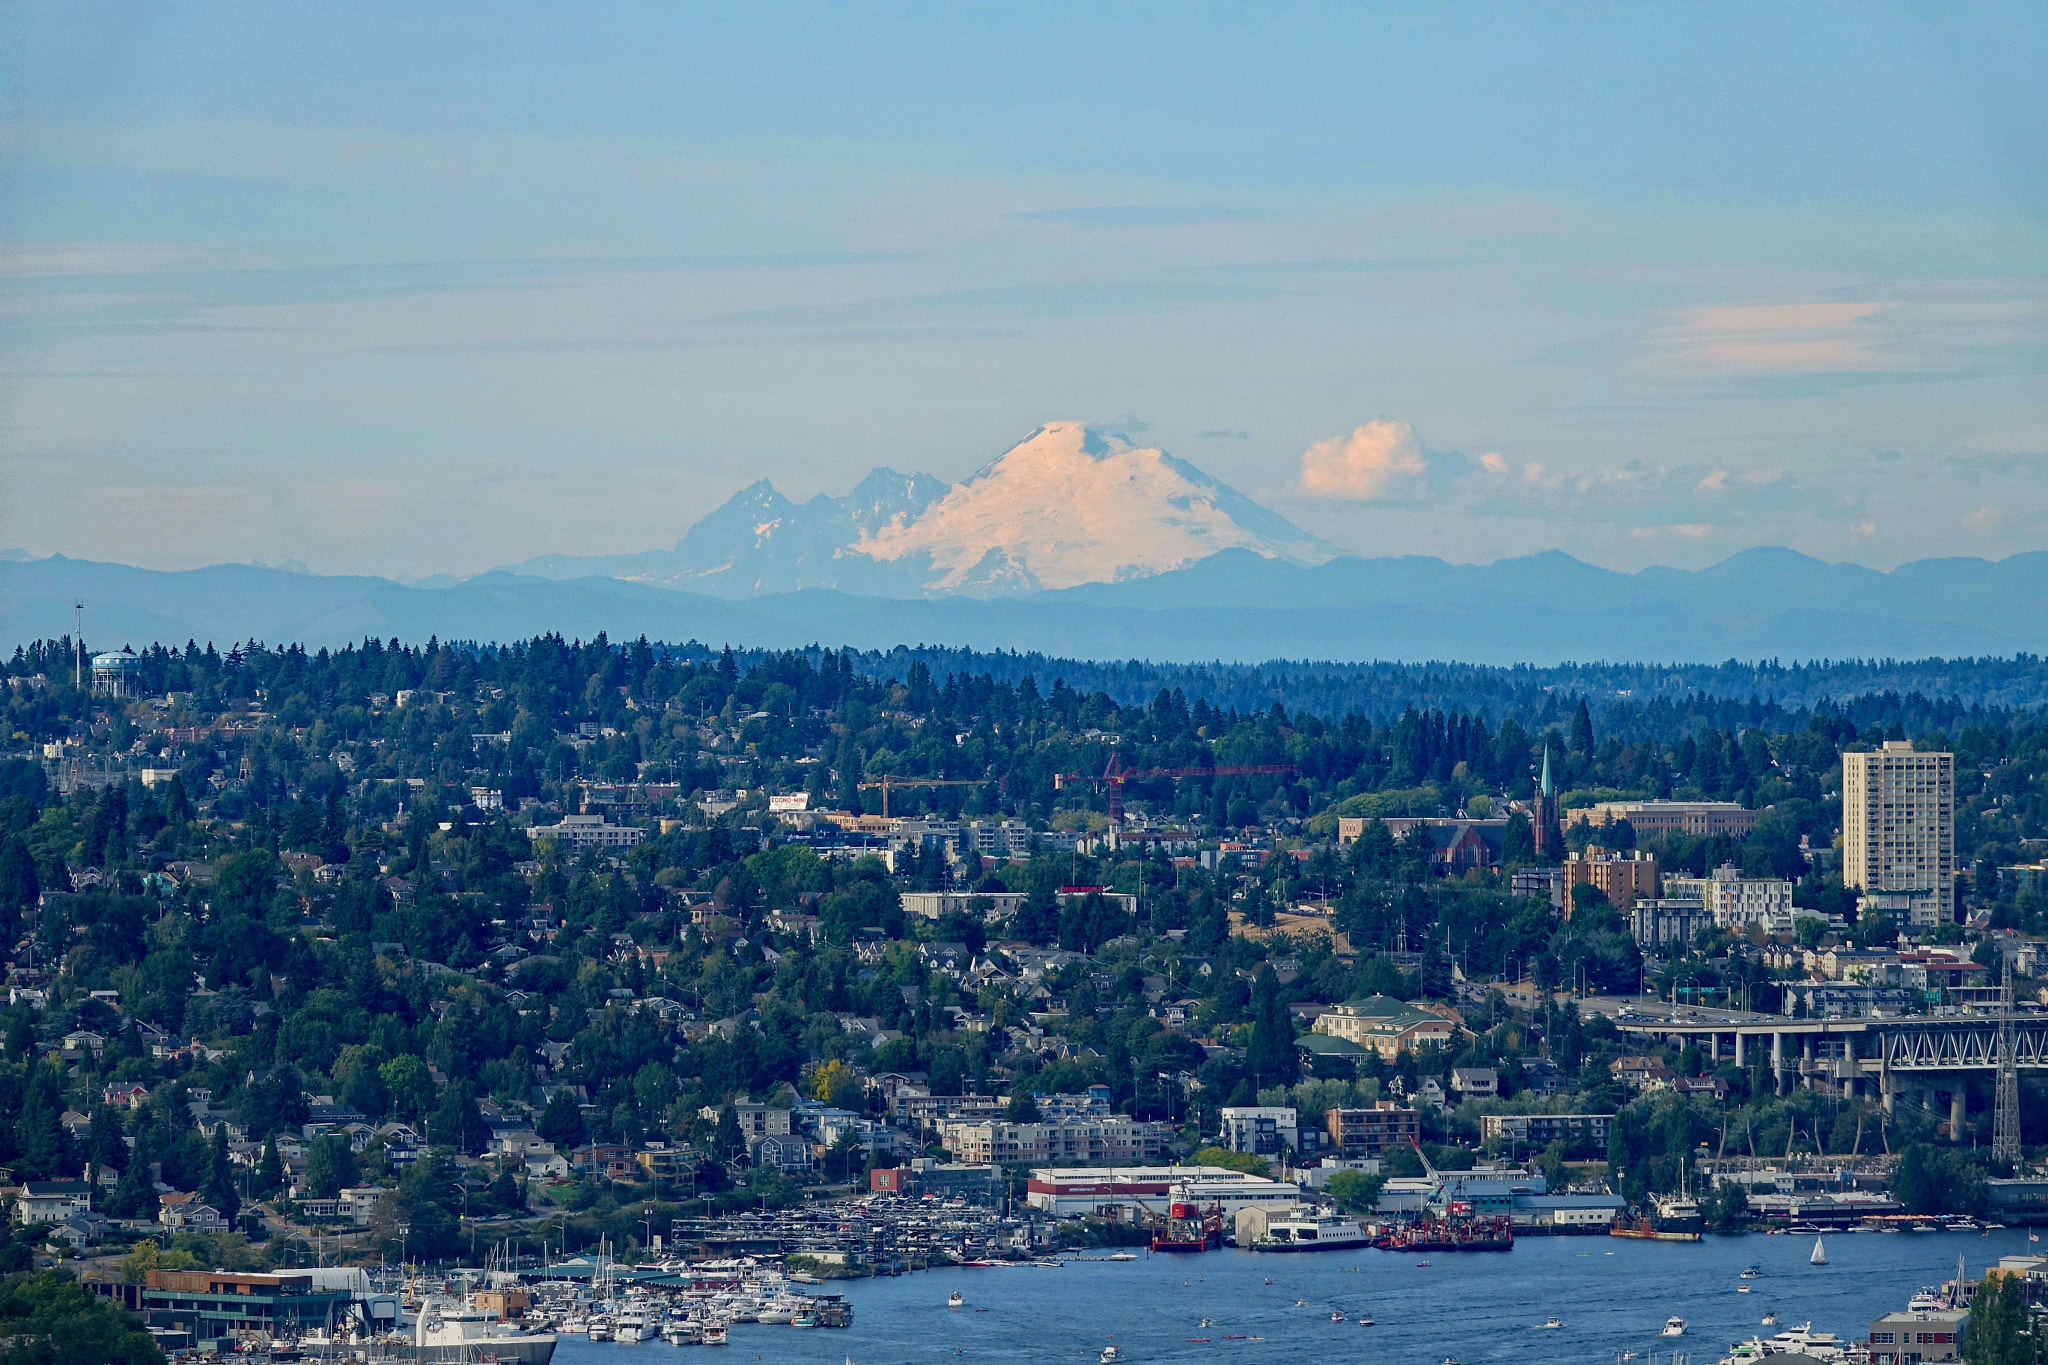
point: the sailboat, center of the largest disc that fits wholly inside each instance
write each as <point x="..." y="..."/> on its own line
<point x="1820" y="1254"/>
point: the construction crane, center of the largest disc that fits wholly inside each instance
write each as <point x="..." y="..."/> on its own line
<point x="1114" y="775"/>
<point x="893" y="781"/>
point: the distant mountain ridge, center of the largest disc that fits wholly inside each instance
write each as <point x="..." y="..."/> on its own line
<point x="1069" y="504"/>
<point x="1235" y="606"/>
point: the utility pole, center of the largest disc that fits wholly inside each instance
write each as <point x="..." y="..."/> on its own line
<point x="2005" y="1139"/>
<point x="78" y="645"/>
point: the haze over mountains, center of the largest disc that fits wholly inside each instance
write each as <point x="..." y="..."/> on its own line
<point x="1076" y="543"/>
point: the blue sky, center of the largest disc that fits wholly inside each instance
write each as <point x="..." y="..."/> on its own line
<point x="405" y="292"/>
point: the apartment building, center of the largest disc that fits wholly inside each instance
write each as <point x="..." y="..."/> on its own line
<point x="1898" y="831"/>
<point x="1374" y="1129"/>
<point x="1090" y="1142"/>
<point x="1621" y="877"/>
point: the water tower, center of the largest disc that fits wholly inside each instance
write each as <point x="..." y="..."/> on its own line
<point x="118" y="674"/>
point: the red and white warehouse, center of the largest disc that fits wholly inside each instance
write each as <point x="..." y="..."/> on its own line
<point x="1119" y="1191"/>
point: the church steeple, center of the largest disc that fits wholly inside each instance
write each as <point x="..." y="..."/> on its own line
<point x="1544" y="827"/>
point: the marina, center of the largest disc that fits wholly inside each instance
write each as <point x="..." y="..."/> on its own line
<point x="1605" y="1296"/>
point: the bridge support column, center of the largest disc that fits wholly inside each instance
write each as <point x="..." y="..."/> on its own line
<point x="1888" y="1089"/>
<point x="1714" y="1046"/>
<point x="1957" y="1110"/>
<point x="1778" y="1063"/>
<point x="1738" y="1052"/>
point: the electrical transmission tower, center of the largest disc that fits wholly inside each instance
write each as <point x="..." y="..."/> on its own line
<point x="2005" y="1131"/>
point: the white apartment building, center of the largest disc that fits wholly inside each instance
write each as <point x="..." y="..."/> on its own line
<point x="1899" y="829"/>
<point x="1262" y="1129"/>
<point x="1095" y="1141"/>
<point x="1735" y="901"/>
<point x="589" y="831"/>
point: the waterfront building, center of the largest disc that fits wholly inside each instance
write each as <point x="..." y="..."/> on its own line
<point x="1578" y="1132"/>
<point x="213" y="1305"/>
<point x="1121" y="1191"/>
<point x="1898" y="831"/>
<point x="1920" y="1336"/>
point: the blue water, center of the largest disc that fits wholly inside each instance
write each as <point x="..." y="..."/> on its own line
<point x="1613" y="1295"/>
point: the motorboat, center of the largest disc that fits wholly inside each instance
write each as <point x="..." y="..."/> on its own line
<point x="1110" y="1355"/>
<point x="1365" y="1320"/>
<point x="600" y="1328"/>
<point x="803" y="1320"/>
<point x="715" y="1332"/>
<point x="680" y="1332"/>
<point x="955" y="1299"/>
<point x="1742" y="1289"/>
<point x="1770" y="1320"/>
<point x="450" y="1330"/>
<point x="631" y="1327"/>
<point x="1549" y="1325"/>
<point x="1336" y="1315"/>
<point x="1752" y="1272"/>
<point x="1805" y="1341"/>
<point x="1301" y="1303"/>
<point x="1121" y="1256"/>
<point x="1674" y="1326"/>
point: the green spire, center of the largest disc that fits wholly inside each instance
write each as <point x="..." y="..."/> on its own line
<point x="1546" y="770"/>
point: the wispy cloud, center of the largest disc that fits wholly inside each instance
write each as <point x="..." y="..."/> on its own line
<point x="1142" y="215"/>
<point x="1955" y="327"/>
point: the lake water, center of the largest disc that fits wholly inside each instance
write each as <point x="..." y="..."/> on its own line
<point x="1612" y="1295"/>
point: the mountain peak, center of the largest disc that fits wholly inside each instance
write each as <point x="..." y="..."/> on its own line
<point x="1071" y="504"/>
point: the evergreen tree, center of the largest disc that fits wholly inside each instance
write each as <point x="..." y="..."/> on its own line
<point x="270" y="1171"/>
<point x="562" y="1121"/>
<point x="218" y="1188"/>
<point x="1272" y="1056"/>
<point x="2000" y="1329"/>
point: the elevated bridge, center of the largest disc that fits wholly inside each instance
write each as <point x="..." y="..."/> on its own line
<point x="1919" y="1056"/>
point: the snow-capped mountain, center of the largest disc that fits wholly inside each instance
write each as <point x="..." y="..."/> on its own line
<point x="1065" y="506"/>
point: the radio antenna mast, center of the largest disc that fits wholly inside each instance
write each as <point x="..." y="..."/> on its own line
<point x="2005" y="1129"/>
<point x="78" y="645"/>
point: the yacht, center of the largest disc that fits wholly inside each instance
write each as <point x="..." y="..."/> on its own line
<point x="631" y="1327"/>
<point x="714" y="1333"/>
<point x="1804" y="1340"/>
<point x="600" y="1327"/>
<point x="680" y="1332"/>
<point x="1674" y="1326"/>
<point x="450" y="1330"/>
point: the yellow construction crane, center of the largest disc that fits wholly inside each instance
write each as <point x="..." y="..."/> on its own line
<point x="892" y="781"/>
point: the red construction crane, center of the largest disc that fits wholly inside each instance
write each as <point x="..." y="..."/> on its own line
<point x="1114" y="775"/>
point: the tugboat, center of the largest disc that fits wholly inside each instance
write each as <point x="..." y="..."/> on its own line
<point x="1188" y="1229"/>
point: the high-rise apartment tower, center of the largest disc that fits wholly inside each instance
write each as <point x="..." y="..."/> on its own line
<point x="1899" y="830"/>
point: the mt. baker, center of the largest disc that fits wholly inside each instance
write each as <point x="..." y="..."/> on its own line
<point x="1067" y="505"/>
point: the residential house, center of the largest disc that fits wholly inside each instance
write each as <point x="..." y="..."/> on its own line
<point x="183" y="1212"/>
<point x="783" y="1151"/>
<point x="1640" y="1073"/>
<point x="605" y="1161"/>
<point x="660" y="1160"/>
<point x="1475" y="1082"/>
<point x="52" y="1201"/>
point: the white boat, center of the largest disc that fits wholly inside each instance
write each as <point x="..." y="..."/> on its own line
<point x="1805" y="1341"/>
<point x="955" y="1299"/>
<point x="600" y="1328"/>
<point x="1336" y="1315"/>
<point x="449" y="1330"/>
<point x="1674" y="1326"/>
<point x="1742" y="1289"/>
<point x="714" y="1332"/>
<point x="1365" y="1319"/>
<point x="1121" y="1256"/>
<point x="680" y="1333"/>
<point x="1820" y="1254"/>
<point x="803" y="1320"/>
<point x="1313" y="1232"/>
<point x="1770" y="1320"/>
<point x="1110" y="1355"/>
<point x="1549" y="1325"/>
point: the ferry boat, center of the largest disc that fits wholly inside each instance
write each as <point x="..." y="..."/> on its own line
<point x="450" y="1330"/>
<point x="1313" y="1232"/>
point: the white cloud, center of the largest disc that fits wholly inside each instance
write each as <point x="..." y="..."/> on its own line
<point x="1984" y="518"/>
<point x="1378" y="460"/>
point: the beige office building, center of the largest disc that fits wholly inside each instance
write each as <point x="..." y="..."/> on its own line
<point x="1899" y="831"/>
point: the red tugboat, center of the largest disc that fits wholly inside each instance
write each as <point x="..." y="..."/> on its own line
<point x="1189" y="1229"/>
